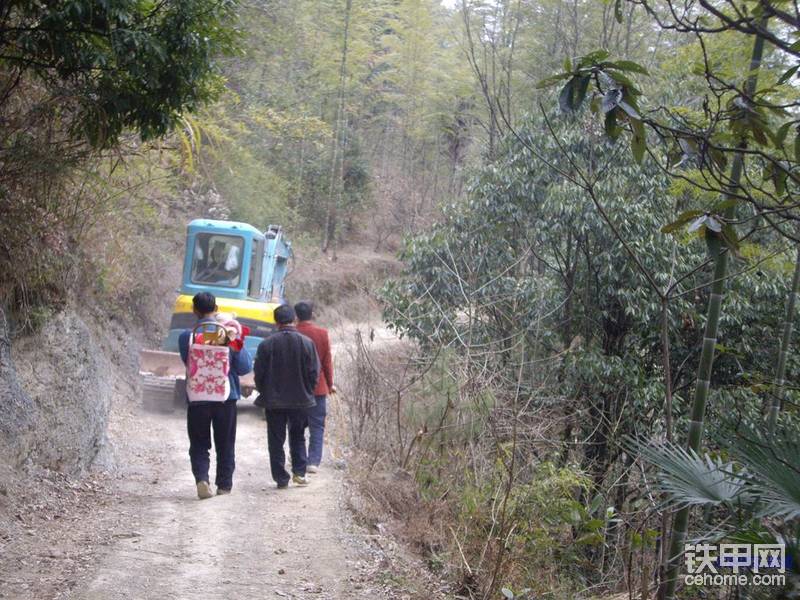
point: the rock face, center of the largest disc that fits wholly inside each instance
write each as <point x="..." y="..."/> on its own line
<point x="59" y="393"/>
<point x="16" y="424"/>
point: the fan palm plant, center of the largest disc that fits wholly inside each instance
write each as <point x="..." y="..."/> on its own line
<point x="754" y="492"/>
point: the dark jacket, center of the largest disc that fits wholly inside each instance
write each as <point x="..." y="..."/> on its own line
<point x="241" y="362"/>
<point x="319" y="335"/>
<point x="286" y="370"/>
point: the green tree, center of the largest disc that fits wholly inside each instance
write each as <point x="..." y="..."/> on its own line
<point x="529" y="261"/>
<point x="80" y="81"/>
<point x="120" y="64"/>
<point x="741" y="122"/>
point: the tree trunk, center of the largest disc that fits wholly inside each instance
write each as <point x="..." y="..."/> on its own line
<point x="336" y="183"/>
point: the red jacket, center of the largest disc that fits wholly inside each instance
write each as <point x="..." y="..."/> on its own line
<point x="319" y="335"/>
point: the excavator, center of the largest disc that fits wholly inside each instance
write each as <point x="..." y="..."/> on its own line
<point x="246" y="270"/>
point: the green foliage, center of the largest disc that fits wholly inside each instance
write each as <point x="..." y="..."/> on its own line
<point x="550" y="526"/>
<point x="77" y="79"/>
<point x="761" y="482"/>
<point x="691" y="480"/>
<point x="617" y="96"/>
<point x="300" y="138"/>
<point x="124" y="64"/>
<point x="520" y="213"/>
<point x="701" y="136"/>
<point x="526" y="266"/>
<point x="739" y="120"/>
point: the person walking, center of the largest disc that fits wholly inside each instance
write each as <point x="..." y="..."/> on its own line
<point x="202" y="416"/>
<point x="316" y="415"/>
<point x="286" y="372"/>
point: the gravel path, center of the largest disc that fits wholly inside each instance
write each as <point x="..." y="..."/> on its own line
<point x="257" y="542"/>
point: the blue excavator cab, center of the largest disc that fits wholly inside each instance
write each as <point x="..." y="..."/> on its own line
<point x="244" y="268"/>
<point x="235" y="260"/>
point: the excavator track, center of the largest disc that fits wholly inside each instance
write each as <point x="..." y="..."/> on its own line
<point x="162" y="394"/>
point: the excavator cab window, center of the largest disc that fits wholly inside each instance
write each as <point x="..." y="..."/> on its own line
<point x="256" y="267"/>
<point x="217" y="259"/>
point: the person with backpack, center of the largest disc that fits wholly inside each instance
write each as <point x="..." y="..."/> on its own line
<point x="286" y="372"/>
<point x="316" y="415"/>
<point x="214" y="406"/>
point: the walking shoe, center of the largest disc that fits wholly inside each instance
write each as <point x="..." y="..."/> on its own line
<point x="312" y="468"/>
<point x="283" y="486"/>
<point x="299" y="479"/>
<point x="222" y="491"/>
<point x="204" y="490"/>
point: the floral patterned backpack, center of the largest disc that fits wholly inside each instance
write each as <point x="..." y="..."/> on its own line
<point x="207" y="366"/>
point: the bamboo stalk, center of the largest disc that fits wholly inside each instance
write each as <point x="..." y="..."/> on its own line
<point x="786" y="339"/>
<point x="336" y="183"/>
<point x="681" y="523"/>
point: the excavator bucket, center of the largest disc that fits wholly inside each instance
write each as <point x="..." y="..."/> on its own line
<point x="162" y="364"/>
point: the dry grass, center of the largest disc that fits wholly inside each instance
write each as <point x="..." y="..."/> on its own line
<point x="344" y="289"/>
<point x="389" y="498"/>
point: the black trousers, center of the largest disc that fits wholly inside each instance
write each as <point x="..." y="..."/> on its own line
<point x="277" y="423"/>
<point x="200" y="418"/>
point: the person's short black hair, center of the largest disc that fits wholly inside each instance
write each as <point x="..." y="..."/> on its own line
<point x="204" y="303"/>
<point x="284" y="314"/>
<point x="304" y="308"/>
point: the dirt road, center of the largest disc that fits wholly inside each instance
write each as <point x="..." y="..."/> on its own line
<point x="140" y="533"/>
<point x="258" y="542"/>
<point x="143" y="534"/>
